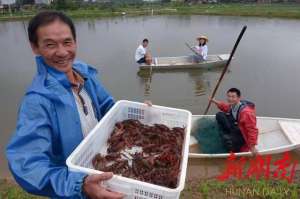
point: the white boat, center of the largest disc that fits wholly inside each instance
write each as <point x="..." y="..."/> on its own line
<point x="276" y="135"/>
<point x="186" y="62"/>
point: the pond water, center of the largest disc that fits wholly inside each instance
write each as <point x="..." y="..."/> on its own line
<point x="265" y="68"/>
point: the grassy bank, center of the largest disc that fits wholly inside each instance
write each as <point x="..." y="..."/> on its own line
<point x="209" y="189"/>
<point x="9" y="190"/>
<point x="262" y="189"/>
<point x="260" y="10"/>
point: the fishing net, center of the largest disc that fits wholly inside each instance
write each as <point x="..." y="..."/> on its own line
<point x="208" y="134"/>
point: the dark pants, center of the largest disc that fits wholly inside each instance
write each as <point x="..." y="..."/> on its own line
<point x="142" y="60"/>
<point x="198" y="58"/>
<point x="232" y="136"/>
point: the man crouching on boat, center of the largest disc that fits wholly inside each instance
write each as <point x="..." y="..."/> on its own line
<point x="142" y="55"/>
<point x="238" y="122"/>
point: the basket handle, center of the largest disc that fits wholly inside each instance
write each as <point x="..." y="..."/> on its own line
<point x="118" y="187"/>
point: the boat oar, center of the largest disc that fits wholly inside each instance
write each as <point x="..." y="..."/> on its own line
<point x="226" y="67"/>
<point x="151" y="68"/>
<point x="192" y="49"/>
<point x="150" y="72"/>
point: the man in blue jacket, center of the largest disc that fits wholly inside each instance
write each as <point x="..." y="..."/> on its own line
<point x="63" y="103"/>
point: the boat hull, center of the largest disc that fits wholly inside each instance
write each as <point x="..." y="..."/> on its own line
<point x="276" y="135"/>
<point x="186" y="62"/>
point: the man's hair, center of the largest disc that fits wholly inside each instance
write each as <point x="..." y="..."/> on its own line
<point x="145" y="40"/>
<point x="235" y="90"/>
<point x="45" y="18"/>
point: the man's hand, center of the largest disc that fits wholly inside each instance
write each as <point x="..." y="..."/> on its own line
<point x="148" y="102"/>
<point x="93" y="189"/>
<point x="213" y="100"/>
<point x="253" y="150"/>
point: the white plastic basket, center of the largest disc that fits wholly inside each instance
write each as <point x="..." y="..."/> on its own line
<point x="81" y="158"/>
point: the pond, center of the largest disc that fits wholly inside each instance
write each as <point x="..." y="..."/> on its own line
<point x="265" y="67"/>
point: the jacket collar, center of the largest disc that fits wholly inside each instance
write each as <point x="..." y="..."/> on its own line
<point x="48" y="77"/>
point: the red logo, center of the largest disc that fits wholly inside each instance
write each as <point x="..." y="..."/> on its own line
<point x="260" y="167"/>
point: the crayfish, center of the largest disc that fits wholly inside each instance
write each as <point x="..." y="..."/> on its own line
<point x="157" y="162"/>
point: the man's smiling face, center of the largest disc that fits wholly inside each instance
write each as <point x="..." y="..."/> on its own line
<point x="56" y="45"/>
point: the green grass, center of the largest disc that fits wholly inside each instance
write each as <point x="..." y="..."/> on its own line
<point x="261" y="10"/>
<point x="248" y="188"/>
<point x="281" y="10"/>
<point x="9" y="190"/>
<point x="204" y="189"/>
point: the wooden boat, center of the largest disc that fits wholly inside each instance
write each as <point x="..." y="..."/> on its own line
<point x="186" y="62"/>
<point x="276" y="135"/>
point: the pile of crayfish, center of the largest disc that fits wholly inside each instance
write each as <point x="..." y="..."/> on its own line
<point x="157" y="162"/>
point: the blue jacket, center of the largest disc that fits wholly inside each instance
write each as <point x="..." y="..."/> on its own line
<point x="48" y="130"/>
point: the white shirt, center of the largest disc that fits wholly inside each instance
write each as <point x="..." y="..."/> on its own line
<point x="88" y="121"/>
<point x="203" y="51"/>
<point x="234" y="110"/>
<point x="140" y="52"/>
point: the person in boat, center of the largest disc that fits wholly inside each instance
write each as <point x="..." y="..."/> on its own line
<point x="237" y="119"/>
<point x="142" y="55"/>
<point x="201" y="49"/>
